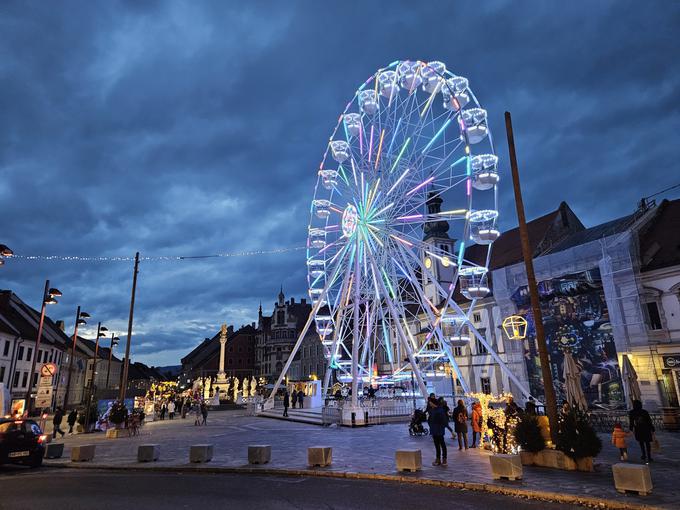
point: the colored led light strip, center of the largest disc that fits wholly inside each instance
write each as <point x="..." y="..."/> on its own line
<point x="410" y="217"/>
<point x="424" y="183"/>
<point x="401" y="153"/>
<point x="404" y="241"/>
<point x="377" y="158"/>
<point x="429" y="101"/>
<point x="370" y="145"/>
<point x="436" y="136"/>
<point x="394" y="136"/>
<point x="401" y="177"/>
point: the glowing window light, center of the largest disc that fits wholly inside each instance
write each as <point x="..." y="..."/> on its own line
<point x="515" y="327"/>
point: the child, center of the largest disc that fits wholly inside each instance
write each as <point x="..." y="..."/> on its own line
<point x="619" y="440"/>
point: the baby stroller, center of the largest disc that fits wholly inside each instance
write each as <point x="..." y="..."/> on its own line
<point x="416" y="427"/>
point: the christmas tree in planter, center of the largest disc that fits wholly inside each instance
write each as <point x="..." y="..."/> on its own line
<point x="576" y="437"/>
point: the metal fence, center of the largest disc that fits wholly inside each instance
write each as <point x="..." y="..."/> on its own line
<point x="604" y="421"/>
<point x="331" y="415"/>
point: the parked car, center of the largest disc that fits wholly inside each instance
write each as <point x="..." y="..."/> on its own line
<point x="21" y="442"/>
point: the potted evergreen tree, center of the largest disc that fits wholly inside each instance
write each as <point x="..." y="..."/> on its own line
<point x="577" y="439"/>
<point x="529" y="437"/>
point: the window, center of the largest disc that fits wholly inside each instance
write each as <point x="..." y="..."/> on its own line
<point x="5" y="351"/>
<point x="35" y="378"/>
<point x="457" y="351"/>
<point x="24" y="380"/>
<point x="486" y="385"/>
<point x="476" y="317"/>
<point x="15" y="383"/>
<point x="29" y="354"/>
<point x="653" y="316"/>
<point x="481" y="348"/>
<point x="39" y="359"/>
<point x="20" y="356"/>
<point x="230" y="361"/>
<point x="2" y="374"/>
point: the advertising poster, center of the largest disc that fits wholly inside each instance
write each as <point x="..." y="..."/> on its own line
<point x="576" y="320"/>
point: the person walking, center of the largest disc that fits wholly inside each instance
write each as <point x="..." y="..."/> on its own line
<point x="476" y="424"/>
<point x="286" y="402"/>
<point x="641" y="425"/>
<point x="204" y="413"/>
<point x="56" y="422"/>
<point x="197" y="413"/>
<point x="301" y="399"/>
<point x="530" y="407"/>
<point x="171" y="410"/>
<point x="441" y="401"/>
<point x="460" y="418"/>
<point x="438" y="422"/>
<point x="294" y="398"/>
<point x="619" y="440"/>
<point x="164" y="409"/>
<point x="71" y="420"/>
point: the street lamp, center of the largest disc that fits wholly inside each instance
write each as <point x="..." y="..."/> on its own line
<point x="48" y="299"/>
<point x="80" y="321"/>
<point x="100" y="333"/>
<point x="114" y="342"/>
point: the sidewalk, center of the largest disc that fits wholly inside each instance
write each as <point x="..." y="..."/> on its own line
<point x="369" y="451"/>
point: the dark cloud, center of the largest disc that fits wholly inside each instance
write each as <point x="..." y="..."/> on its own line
<point x="194" y="128"/>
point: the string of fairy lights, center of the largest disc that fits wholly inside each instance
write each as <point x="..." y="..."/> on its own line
<point x="155" y="258"/>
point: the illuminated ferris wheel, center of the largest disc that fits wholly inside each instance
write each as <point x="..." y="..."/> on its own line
<point x="408" y="180"/>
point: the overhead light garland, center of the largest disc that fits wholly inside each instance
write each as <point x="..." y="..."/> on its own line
<point x="69" y="258"/>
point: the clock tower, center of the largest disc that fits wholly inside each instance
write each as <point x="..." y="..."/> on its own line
<point x="438" y="255"/>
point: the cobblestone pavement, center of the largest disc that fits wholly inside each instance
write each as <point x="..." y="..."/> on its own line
<point x="368" y="450"/>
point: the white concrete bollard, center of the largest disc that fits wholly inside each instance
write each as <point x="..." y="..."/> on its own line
<point x="259" y="454"/>
<point x="632" y="477"/>
<point x="83" y="453"/>
<point x="506" y="466"/>
<point x="148" y="452"/>
<point x="200" y="453"/>
<point x="409" y="460"/>
<point x="319" y="456"/>
<point x="54" y="450"/>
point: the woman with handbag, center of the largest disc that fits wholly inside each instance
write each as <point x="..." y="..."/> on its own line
<point x="642" y="427"/>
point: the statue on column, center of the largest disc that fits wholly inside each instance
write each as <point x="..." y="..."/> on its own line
<point x="246" y="389"/>
<point x="235" y="390"/>
<point x="221" y="375"/>
<point x="253" y="387"/>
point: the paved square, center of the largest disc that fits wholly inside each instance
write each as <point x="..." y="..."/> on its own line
<point x="367" y="450"/>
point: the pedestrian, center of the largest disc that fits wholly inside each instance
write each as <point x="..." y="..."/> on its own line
<point x="71" y="420"/>
<point x="286" y="402"/>
<point x="301" y="399"/>
<point x="438" y="422"/>
<point x="530" y="407"/>
<point x="442" y="403"/>
<point x="183" y="409"/>
<point x="460" y="418"/>
<point x="619" y="440"/>
<point x="171" y="410"/>
<point x="197" y="413"/>
<point x="164" y="409"/>
<point x="641" y="425"/>
<point x="204" y="413"/>
<point x="511" y="408"/>
<point x="56" y="422"/>
<point x="476" y="424"/>
<point x="294" y="398"/>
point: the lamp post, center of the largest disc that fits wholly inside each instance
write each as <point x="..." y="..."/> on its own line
<point x="114" y="341"/>
<point x="100" y="333"/>
<point x="80" y="320"/>
<point x="126" y="363"/>
<point x="549" y="389"/>
<point x="48" y="299"/>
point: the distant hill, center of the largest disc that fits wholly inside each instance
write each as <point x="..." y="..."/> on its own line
<point x="170" y="370"/>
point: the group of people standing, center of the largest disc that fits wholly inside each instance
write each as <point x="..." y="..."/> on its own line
<point x="297" y="398"/>
<point x="439" y="418"/>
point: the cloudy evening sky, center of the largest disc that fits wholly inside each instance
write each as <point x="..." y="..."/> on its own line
<point x="193" y="128"/>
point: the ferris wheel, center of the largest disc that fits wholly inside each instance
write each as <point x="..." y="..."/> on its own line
<point x="408" y="180"/>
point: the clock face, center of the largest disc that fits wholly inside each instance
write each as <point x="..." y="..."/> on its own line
<point x="428" y="262"/>
<point x="446" y="262"/>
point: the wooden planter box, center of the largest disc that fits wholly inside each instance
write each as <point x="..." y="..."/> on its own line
<point x="557" y="460"/>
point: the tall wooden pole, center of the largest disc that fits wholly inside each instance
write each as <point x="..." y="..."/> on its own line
<point x="126" y="364"/>
<point x="549" y="389"/>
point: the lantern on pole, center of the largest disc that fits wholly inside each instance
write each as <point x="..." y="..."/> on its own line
<point x="515" y="327"/>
